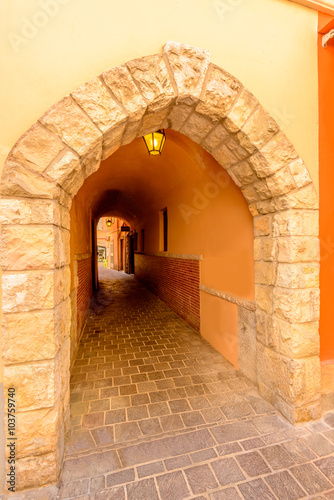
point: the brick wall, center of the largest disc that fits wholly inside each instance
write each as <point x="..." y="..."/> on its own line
<point x="175" y="281"/>
<point x="84" y="291"/>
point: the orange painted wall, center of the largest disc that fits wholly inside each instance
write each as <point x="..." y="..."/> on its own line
<point x="219" y="325"/>
<point x="326" y="188"/>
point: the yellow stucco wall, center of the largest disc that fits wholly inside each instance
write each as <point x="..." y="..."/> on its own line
<point x="48" y="47"/>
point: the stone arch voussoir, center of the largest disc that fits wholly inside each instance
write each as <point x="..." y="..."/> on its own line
<point x="182" y="90"/>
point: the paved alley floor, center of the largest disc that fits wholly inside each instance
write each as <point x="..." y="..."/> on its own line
<point x="158" y="414"/>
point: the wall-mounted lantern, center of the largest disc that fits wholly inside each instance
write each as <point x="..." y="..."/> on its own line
<point x="109" y="222"/>
<point x="155" y="142"/>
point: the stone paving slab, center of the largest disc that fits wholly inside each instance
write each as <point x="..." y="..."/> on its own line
<point x="157" y="413"/>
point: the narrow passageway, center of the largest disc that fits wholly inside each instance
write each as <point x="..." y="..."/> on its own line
<point x="157" y="413"/>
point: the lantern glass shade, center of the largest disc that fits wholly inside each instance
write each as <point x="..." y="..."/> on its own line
<point x="155" y="142"/>
<point x="109" y="222"/>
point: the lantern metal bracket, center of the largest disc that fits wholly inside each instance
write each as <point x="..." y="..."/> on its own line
<point x="326" y="37"/>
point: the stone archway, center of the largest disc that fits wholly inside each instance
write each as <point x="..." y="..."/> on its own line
<point x="179" y="89"/>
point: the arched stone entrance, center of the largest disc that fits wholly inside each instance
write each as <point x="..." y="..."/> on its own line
<point x="182" y="90"/>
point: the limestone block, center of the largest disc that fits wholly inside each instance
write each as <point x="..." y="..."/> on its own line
<point x="281" y="182"/>
<point x="308" y="412"/>
<point x="112" y="140"/>
<point x="265" y="272"/>
<point x="304" y="380"/>
<point x="262" y="189"/>
<point x="298" y="249"/>
<point x="291" y="383"/>
<point x="122" y="86"/>
<point x="224" y="156"/>
<point x="28" y="336"/>
<point x="62" y="315"/>
<point x="257" y="248"/>
<point x="298" y="340"/>
<point x="62" y="247"/>
<point x="250" y="194"/>
<point x="67" y="172"/>
<point x="262" y="225"/>
<point x="305" y="275"/>
<point x="253" y="210"/>
<point x="65" y="217"/>
<point x="246" y="315"/>
<point x="219" y="94"/>
<point x="266" y="207"/>
<point x="189" y="66"/>
<point x="270" y="372"/>
<point x="196" y="127"/>
<point x="67" y="121"/>
<point x="178" y="114"/>
<point x="243" y="172"/>
<point x="19" y="181"/>
<point x="34" y="471"/>
<point x="91" y="162"/>
<point x="153" y="121"/>
<point x="34" y="383"/>
<point x="217" y="135"/>
<point x="130" y="132"/>
<point x="152" y="78"/>
<point x="234" y="178"/>
<point x="270" y="249"/>
<point x="297" y="305"/>
<point x="266" y="331"/>
<point x="260" y="127"/>
<point x="29" y="211"/>
<point x="235" y="147"/>
<point x="65" y="200"/>
<point x="62" y="365"/>
<point x="27" y="291"/>
<point x="306" y="197"/>
<point x="27" y="247"/>
<point x="245" y="142"/>
<point x="300" y="173"/>
<point x="97" y="102"/>
<point x="62" y="284"/>
<point x="296" y="222"/>
<point x="276" y="154"/>
<point x="247" y="343"/>
<point x="241" y="110"/>
<point x="36" y="432"/>
<point x="264" y="298"/>
<point x="36" y="148"/>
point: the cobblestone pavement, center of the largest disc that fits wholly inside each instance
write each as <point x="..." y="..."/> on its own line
<point x="158" y="414"/>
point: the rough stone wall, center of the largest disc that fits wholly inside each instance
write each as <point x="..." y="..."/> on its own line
<point x="247" y="349"/>
<point x="182" y="90"/>
<point x="173" y="280"/>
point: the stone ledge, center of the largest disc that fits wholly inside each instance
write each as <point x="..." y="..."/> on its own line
<point x="82" y="256"/>
<point x="171" y="255"/>
<point x="248" y="304"/>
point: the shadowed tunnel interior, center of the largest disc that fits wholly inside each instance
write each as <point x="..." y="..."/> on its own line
<point x="208" y="221"/>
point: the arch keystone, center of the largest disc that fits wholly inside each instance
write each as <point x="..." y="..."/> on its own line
<point x="189" y="66"/>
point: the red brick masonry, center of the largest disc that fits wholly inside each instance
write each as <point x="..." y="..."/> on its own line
<point x="84" y="293"/>
<point x="175" y="281"/>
